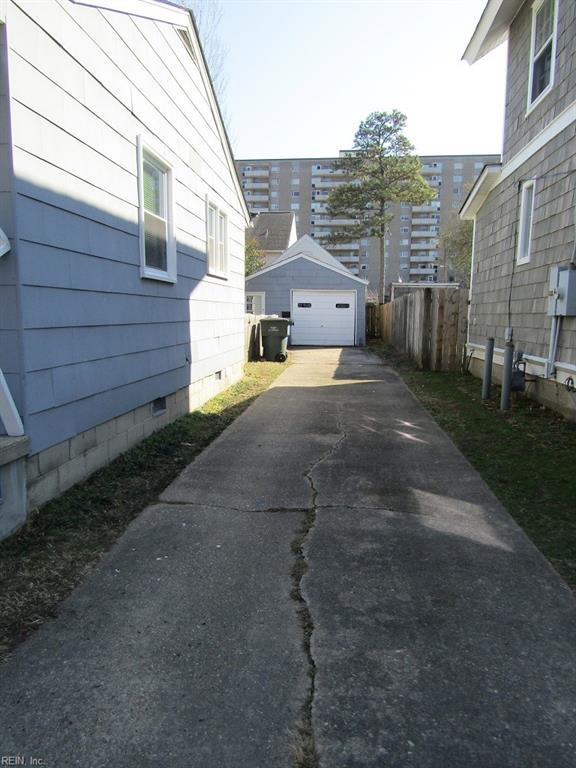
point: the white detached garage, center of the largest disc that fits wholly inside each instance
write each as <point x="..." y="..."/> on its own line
<point x="307" y="284"/>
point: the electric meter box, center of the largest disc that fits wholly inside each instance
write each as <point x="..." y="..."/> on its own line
<point x="562" y="293"/>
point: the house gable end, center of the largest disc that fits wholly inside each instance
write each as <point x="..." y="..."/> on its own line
<point x="183" y="21"/>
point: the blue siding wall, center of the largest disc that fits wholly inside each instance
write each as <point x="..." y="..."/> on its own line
<point x="98" y="340"/>
<point x="10" y="349"/>
<point x="305" y="275"/>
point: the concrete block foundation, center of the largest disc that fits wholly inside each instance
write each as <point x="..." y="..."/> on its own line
<point x="51" y="472"/>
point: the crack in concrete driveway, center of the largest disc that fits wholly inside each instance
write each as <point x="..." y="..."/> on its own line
<point x="331" y="552"/>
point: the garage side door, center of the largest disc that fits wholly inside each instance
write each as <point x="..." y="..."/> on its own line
<point x="323" y="318"/>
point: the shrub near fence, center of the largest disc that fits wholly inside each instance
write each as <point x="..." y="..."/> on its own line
<point x="429" y="325"/>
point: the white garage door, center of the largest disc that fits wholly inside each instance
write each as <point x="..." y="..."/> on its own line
<point x="323" y="318"/>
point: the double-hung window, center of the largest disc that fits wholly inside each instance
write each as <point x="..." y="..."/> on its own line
<point x="542" y="51"/>
<point x="525" y="223"/>
<point x="216" y="240"/>
<point x="156" y="217"/>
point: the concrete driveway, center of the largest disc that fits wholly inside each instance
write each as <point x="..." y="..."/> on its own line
<point x="441" y="638"/>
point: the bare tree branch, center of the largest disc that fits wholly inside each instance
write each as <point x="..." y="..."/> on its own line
<point x="208" y="17"/>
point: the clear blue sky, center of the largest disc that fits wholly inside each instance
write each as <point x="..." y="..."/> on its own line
<point x="301" y="75"/>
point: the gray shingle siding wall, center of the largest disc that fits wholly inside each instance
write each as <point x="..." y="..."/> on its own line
<point x="520" y="128"/>
<point x="552" y="243"/>
<point x="303" y="274"/>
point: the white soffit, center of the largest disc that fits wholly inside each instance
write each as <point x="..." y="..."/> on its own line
<point x="492" y="29"/>
<point x="485" y="183"/>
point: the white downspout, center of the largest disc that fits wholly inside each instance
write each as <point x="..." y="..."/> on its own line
<point x="472" y="266"/>
<point x="8" y="412"/>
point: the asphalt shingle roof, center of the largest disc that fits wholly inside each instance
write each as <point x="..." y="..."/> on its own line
<point x="271" y="230"/>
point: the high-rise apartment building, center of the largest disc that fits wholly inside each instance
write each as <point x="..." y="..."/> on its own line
<point x="302" y="185"/>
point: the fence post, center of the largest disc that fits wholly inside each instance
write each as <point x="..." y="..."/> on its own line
<point x="427" y="329"/>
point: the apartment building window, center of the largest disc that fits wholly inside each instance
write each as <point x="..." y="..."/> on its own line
<point x="543" y="50"/>
<point x="458" y="166"/>
<point x="294" y="181"/>
<point x="295" y="167"/>
<point x="216" y="240"/>
<point x="456" y="190"/>
<point x="274" y="193"/>
<point x="156" y="216"/>
<point x="457" y="179"/>
<point x="274" y="207"/>
<point x="404" y="205"/>
<point x="525" y="223"/>
<point x="405" y="241"/>
<point x="274" y="182"/>
<point x="274" y="169"/>
<point x="295" y="207"/>
<point x="404" y="230"/>
<point x="404" y="218"/>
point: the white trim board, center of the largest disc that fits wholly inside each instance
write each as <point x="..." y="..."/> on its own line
<point x="485" y="183"/>
<point x="282" y="263"/>
<point x="564" y="120"/>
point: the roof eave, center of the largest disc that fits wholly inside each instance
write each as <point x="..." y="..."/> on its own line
<point x="492" y="28"/>
<point x="485" y="183"/>
<point x="283" y="262"/>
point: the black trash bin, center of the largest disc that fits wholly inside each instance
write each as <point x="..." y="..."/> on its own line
<point x="275" y="338"/>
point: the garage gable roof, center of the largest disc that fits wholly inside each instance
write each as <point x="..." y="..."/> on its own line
<point x="306" y="248"/>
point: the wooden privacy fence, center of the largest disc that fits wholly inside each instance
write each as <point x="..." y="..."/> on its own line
<point x="252" y="338"/>
<point x="429" y="325"/>
<point x="372" y="321"/>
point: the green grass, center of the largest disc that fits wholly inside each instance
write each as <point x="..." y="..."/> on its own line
<point x="526" y="455"/>
<point x="42" y="563"/>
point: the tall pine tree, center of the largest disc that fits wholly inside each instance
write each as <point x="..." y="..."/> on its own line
<point x="382" y="170"/>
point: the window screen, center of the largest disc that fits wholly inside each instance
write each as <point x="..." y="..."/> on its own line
<point x="525" y="224"/>
<point x="543" y="35"/>
<point x="155" y="223"/>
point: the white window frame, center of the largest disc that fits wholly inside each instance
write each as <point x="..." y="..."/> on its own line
<point x="144" y="147"/>
<point x="530" y="105"/>
<point x="221" y="248"/>
<point x="262" y="294"/>
<point x="524" y="245"/>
